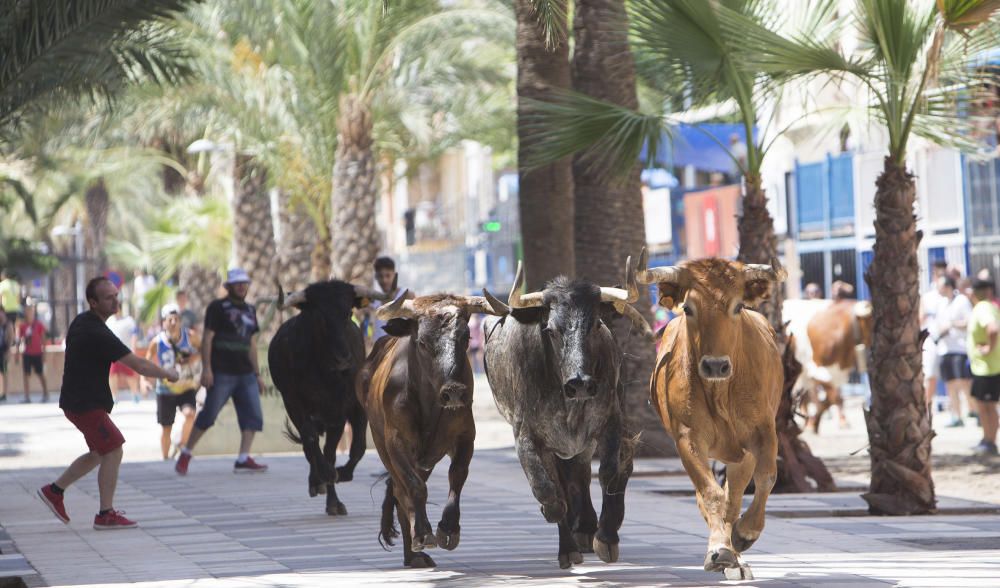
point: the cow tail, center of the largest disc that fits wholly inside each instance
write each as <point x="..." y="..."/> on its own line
<point x="388" y="530"/>
<point x="291" y="434"/>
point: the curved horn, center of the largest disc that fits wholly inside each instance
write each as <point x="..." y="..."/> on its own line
<point x="671" y="274"/>
<point x="618" y="294"/>
<point x="370" y="293"/>
<point x="516" y="299"/>
<point x="759" y="271"/>
<point x="482" y="305"/>
<point x="496" y="305"/>
<point x="294" y="299"/>
<point x="398" y="308"/>
<point x="637" y="319"/>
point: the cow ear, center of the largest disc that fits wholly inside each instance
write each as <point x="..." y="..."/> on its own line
<point x="531" y="314"/>
<point x="756" y="291"/>
<point x="400" y="327"/>
<point x="670" y="295"/>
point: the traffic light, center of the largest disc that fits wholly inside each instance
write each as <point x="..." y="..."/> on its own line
<point x="491" y="226"/>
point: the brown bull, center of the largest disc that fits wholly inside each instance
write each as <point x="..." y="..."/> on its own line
<point x="716" y="386"/>
<point x="416" y="387"/>
<point x="839" y="336"/>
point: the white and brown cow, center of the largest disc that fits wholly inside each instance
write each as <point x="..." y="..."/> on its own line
<point x="716" y="387"/>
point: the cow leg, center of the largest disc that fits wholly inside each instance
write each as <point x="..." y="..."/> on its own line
<point x="387" y="525"/>
<point x="411" y="559"/>
<point x="737" y="479"/>
<point x="448" y="529"/>
<point x="581" y="517"/>
<point x="711" y="502"/>
<point x="616" y="468"/>
<point x="569" y="549"/>
<point x="334" y="506"/>
<point x="749" y="526"/>
<point x="359" y="428"/>
<point x="411" y="493"/>
<point x="320" y="473"/>
<point x="543" y="477"/>
<point x="821" y="406"/>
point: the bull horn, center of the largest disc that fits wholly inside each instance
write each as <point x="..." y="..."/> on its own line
<point x="620" y="295"/>
<point x="637" y="319"/>
<point x="497" y="307"/>
<point x="670" y="274"/>
<point x="482" y="305"/>
<point x="759" y="271"/>
<point x="398" y="308"/>
<point x="516" y="299"/>
<point x="863" y="309"/>
<point x="370" y="293"/>
<point x="294" y="299"/>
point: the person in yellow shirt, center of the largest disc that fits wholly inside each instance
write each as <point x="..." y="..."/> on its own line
<point x="984" y="361"/>
<point x="10" y="297"/>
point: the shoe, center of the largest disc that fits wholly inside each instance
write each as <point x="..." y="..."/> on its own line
<point x="182" y="464"/>
<point x="113" y="519"/>
<point x="985" y="448"/>
<point x="249" y="467"/>
<point x="955" y="423"/>
<point x="54" y="502"/>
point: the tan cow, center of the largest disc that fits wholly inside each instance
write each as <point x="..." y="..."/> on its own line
<point x="840" y="336"/>
<point x="716" y="386"/>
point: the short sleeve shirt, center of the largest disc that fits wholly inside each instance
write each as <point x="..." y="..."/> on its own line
<point x="91" y="348"/>
<point x="33" y="335"/>
<point x="233" y="323"/>
<point x="983" y="313"/>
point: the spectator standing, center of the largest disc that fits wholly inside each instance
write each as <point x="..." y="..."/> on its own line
<point x="123" y="378"/>
<point x="175" y="347"/>
<point x="813" y="291"/>
<point x="31" y="335"/>
<point x="10" y="297"/>
<point x="387" y="282"/>
<point x="87" y="402"/>
<point x="6" y="341"/>
<point x="189" y="318"/>
<point x="230" y="368"/>
<point x="950" y="334"/>
<point x="476" y="343"/>
<point x="984" y="361"/>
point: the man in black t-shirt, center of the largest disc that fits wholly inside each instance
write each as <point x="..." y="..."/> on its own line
<point x="86" y="401"/>
<point x="230" y="369"/>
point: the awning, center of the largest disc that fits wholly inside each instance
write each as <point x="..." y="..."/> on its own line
<point x="703" y="146"/>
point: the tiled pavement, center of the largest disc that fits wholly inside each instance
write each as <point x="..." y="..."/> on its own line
<point x="213" y="529"/>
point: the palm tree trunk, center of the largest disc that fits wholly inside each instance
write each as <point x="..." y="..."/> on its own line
<point x="98" y="204"/>
<point x="298" y="239"/>
<point x="253" y="237"/>
<point x="354" y="240"/>
<point x="758" y="243"/>
<point x="608" y="221"/>
<point x="545" y="198"/>
<point x="899" y="426"/>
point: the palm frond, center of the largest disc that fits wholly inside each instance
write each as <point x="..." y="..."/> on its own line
<point x="963" y="14"/>
<point x="551" y="15"/>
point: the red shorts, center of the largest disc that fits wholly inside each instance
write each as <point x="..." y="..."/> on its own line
<point x="101" y="434"/>
<point x="120" y="369"/>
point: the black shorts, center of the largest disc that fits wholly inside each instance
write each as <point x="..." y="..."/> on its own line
<point x="954" y="366"/>
<point x="32" y="363"/>
<point x="986" y="388"/>
<point x="167" y="405"/>
<point x="3" y="363"/>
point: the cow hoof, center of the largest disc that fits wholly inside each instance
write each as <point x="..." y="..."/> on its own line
<point x="566" y="560"/>
<point x="741" y="543"/>
<point x="608" y="552"/>
<point x="446" y="540"/>
<point x="336" y="509"/>
<point x="419" y="543"/>
<point x="740" y="572"/>
<point x="420" y="560"/>
<point x="719" y="559"/>
<point x="344" y="474"/>
<point x="316" y="489"/>
<point x="584" y="542"/>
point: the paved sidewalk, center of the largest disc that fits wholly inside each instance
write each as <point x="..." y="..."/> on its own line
<point x="213" y="528"/>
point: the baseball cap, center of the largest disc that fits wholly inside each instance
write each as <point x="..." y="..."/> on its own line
<point x="169" y="309"/>
<point x="237" y="275"/>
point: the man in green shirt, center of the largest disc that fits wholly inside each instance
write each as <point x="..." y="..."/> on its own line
<point x="10" y="297"/>
<point x="984" y="361"/>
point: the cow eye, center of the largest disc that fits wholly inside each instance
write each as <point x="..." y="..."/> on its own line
<point x="738" y="308"/>
<point x="687" y="310"/>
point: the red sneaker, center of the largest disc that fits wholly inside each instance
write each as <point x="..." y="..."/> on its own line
<point x="54" y="502"/>
<point x="249" y="467"/>
<point x="113" y="519"/>
<point x="182" y="464"/>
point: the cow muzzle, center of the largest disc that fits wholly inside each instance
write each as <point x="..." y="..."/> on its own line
<point x="715" y="367"/>
<point x="453" y="395"/>
<point x="580" y="388"/>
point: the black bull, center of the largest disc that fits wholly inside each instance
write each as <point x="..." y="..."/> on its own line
<point x="314" y="359"/>
<point x="554" y="371"/>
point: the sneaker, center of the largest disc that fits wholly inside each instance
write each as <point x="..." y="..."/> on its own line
<point x="182" y="464"/>
<point x="113" y="519"/>
<point x="955" y="423"/>
<point x="54" y="502"/>
<point x="248" y="467"/>
<point x="985" y="448"/>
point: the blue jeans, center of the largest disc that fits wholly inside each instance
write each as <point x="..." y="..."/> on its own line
<point x="246" y="398"/>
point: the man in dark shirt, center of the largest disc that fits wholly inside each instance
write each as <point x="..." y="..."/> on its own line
<point x="229" y="368"/>
<point x="86" y="401"/>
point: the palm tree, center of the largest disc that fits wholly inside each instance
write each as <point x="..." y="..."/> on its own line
<point x="52" y="49"/>
<point x="915" y="66"/>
